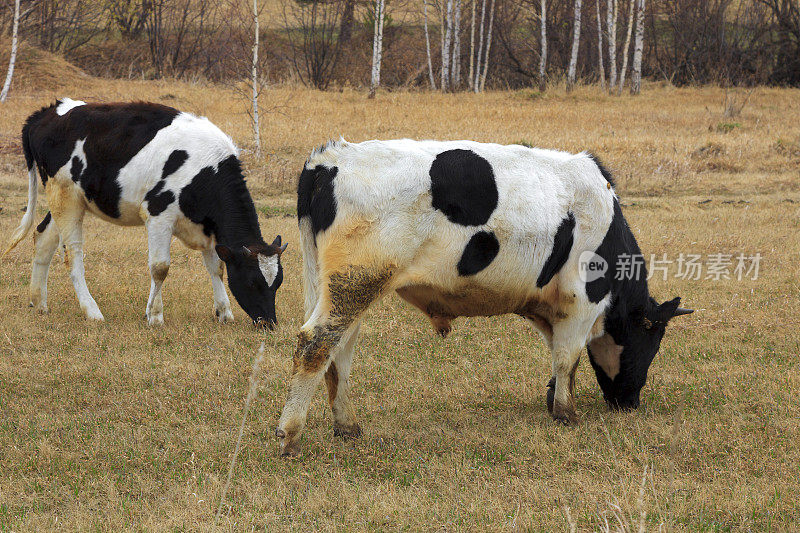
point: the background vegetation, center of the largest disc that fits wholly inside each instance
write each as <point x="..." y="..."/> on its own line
<point x="730" y="42"/>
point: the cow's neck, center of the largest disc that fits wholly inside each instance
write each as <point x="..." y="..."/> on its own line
<point x="629" y="293"/>
<point x="234" y="220"/>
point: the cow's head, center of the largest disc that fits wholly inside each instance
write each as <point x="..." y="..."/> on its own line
<point x="254" y="275"/>
<point x="622" y="356"/>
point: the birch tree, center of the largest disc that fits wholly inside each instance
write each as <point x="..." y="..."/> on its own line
<point x="600" y="48"/>
<point x="576" y="42"/>
<point x="428" y="45"/>
<point x="636" y="77"/>
<point x="447" y="30"/>
<point x="471" y="80"/>
<point x="256" y="129"/>
<point x="476" y="81"/>
<point x="625" y="50"/>
<point x="488" y="47"/>
<point x="13" y="59"/>
<point x="455" y="55"/>
<point x="377" y="48"/>
<point x="611" y="25"/>
<point x="543" y="55"/>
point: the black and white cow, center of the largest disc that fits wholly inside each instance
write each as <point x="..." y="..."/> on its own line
<point x="468" y="229"/>
<point x="145" y="163"/>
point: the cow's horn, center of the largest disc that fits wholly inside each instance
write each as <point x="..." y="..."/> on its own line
<point x="682" y="311"/>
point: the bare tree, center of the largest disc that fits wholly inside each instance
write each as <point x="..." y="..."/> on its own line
<point x="256" y="129"/>
<point x="600" y="47"/>
<point x="488" y="47"/>
<point x="428" y="45"/>
<point x="471" y="80"/>
<point x="455" y="55"/>
<point x="312" y="31"/>
<point x="377" y="48"/>
<point x="636" y="77"/>
<point x="13" y="59"/>
<point x="611" y="16"/>
<point x="476" y="83"/>
<point x="447" y="31"/>
<point x="576" y="42"/>
<point x="543" y="55"/>
<point x="128" y="16"/>
<point x="624" y="67"/>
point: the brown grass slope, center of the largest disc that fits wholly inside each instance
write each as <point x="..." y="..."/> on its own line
<point x="123" y="427"/>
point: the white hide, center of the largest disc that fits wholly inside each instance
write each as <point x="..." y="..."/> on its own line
<point x="269" y="267"/>
<point x="388" y="183"/>
<point x="66" y="104"/>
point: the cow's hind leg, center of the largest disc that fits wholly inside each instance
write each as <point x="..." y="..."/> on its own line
<point x="159" y="236"/>
<point x="337" y="380"/>
<point x="344" y="298"/>
<point x="68" y="209"/>
<point x="45" y="240"/>
<point x="215" y="267"/>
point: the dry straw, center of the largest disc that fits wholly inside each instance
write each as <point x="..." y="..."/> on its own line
<point x="255" y="377"/>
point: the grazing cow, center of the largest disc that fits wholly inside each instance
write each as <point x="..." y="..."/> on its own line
<point x="468" y="229"/>
<point x="144" y="163"/>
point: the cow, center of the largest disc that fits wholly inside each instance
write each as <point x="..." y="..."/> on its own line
<point x="468" y="229"/>
<point x="146" y="164"/>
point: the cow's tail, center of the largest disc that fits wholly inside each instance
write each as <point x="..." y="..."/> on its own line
<point x="308" y="245"/>
<point x="310" y="267"/>
<point x="33" y="192"/>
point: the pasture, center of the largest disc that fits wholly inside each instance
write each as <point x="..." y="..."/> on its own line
<point x="120" y="426"/>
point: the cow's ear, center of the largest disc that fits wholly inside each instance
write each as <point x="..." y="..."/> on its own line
<point x="224" y="253"/>
<point x="670" y="309"/>
<point x="276" y="246"/>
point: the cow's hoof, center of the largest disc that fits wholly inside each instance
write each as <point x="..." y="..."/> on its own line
<point x="94" y="316"/>
<point x="156" y="320"/>
<point x="289" y="445"/>
<point x="224" y="315"/>
<point x="565" y="415"/>
<point x="352" y="431"/>
<point x="551" y="394"/>
<point x="39" y="308"/>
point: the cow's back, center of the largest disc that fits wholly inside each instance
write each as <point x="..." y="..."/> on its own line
<point x="460" y="215"/>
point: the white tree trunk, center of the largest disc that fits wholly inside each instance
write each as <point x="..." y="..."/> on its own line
<point x="636" y="77"/>
<point x="625" y="50"/>
<point x="476" y="85"/>
<point x="612" y="43"/>
<point x="13" y="59"/>
<point x="576" y="42"/>
<point x="256" y="129"/>
<point x="428" y="45"/>
<point x="471" y="79"/>
<point x="543" y="56"/>
<point x="600" y="48"/>
<point x="377" y="48"/>
<point x="447" y="28"/>
<point x="488" y="46"/>
<point x="455" y="70"/>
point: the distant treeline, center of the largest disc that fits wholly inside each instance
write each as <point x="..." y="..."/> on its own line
<point x="329" y="42"/>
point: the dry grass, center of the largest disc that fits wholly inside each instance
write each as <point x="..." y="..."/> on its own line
<point x="120" y="426"/>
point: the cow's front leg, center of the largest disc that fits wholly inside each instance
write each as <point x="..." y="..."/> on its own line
<point x="159" y="236"/>
<point x="569" y="337"/>
<point x="215" y="267"/>
<point x="337" y="380"/>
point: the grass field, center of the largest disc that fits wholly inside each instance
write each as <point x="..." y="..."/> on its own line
<point x="120" y="426"/>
